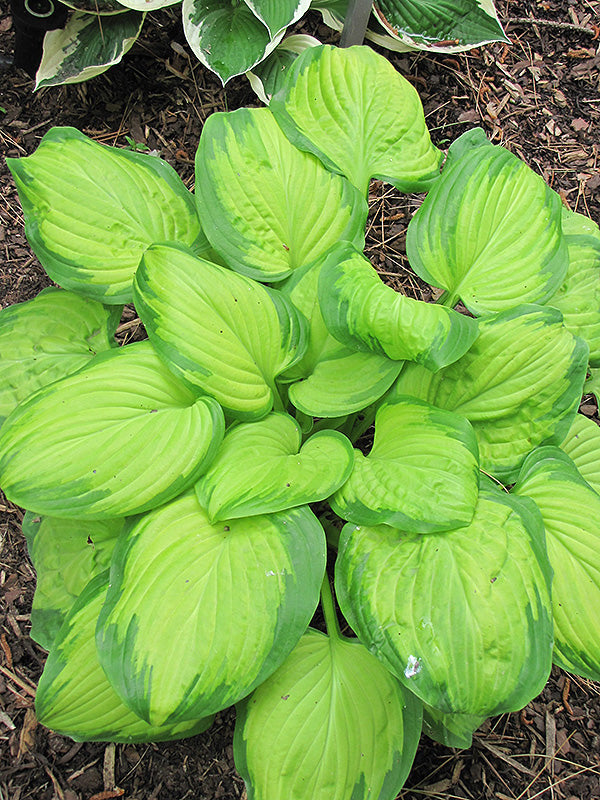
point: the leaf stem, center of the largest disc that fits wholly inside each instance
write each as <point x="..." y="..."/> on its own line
<point x="331" y="620"/>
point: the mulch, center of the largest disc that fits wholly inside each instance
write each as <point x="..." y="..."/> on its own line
<point x="539" y="97"/>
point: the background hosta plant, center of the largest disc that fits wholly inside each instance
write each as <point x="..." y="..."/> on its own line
<point x="182" y="491"/>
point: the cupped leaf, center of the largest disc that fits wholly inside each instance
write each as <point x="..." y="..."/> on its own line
<point x="440" y="25"/>
<point x="359" y="116"/>
<point x="87" y="46"/>
<point x="278" y="14"/>
<point x="47" y="338"/>
<point x="570" y="509"/>
<point x="221" y="332"/>
<point x="330" y="724"/>
<point x="74" y="697"/>
<point x="118" y="437"/>
<point x="463" y="618"/>
<point x="267" y="207"/>
<point x="519" y="385"/>
<point x="451" y="730"/>
<point x="197" y="615"/>
<point x="582" y="445"/>
<point x="363" y="313"/>
<point x="261" y="467"/>
<point x="66" y="554"/>
<point x="489" y="231"/>
<point x="91" y="211"/>
<point x="268" y="77"/>
<point x="421" y="475"/>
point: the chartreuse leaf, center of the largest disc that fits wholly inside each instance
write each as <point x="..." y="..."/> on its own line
<point x="87" y="46"/>
<point x="197" y="615"/>
<point x="267" y="207"/>
<point x="66" y="554"/>
<point x="575" y="224"/>
<point x="120" y="436"/>
<point x="91" y="211"/>
<point x="489" y="231"/>
<point x="582" y="445"/>
<point x="464" y="617"/>
<point x="571" y="512"/>
<point x="268" y="77"/>
<point x="74" y="697"/>
<point x="359" y="116"/>
<point x="451" y="730"/>
<point x="261" y="467"/>
<point x="330" y="724"/>
<point x="221" y="332"/>
<point x="519" y="385"/>
<point x="47" y="338"/>
<point x="278" y="14"/>
<point x="440" y="25"/>
<point x="363" y="313"/>
<point x="421" y="475"/>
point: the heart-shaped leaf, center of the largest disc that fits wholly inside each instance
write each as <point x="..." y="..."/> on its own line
<point x="261" y="468"/>
<point x="267" y="207"/>
<point x="582" y="445"/>
<point x="359" y="116"/>
<point x="221" y="332"/>
<point x="421" y="475"/>
<point x="197" y="615"/>
<point x="74" y="697"/>
<point x="571" y="513"/>
<point x="278" y="14"/>
<point x="489" y="231"/>
<point x="91" y="211"/>
<point x="464" y="617"/>
<point x="118" y="437"/>
<point x="365" y="314"/>
<point x="330" y="723"/>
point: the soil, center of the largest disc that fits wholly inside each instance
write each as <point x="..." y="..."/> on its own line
<point x="540" y="97"/>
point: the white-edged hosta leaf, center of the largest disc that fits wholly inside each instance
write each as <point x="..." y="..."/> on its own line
<point x="582" y="445"/>
<point x="363" y="313"/>
<point x="268" y="208"/>
<point x="47" y="338"/>
<point x="446" y="26"/>
<point x="330" y="724"/>
<point x="422" y="473"/>
<point x="262" y="467"/>
<point x="148" y="5"/>
<point x="91" y="211"/>
<point x="74" y="697"/>
<point x="220" y="331"/>
<point x="268" y="77"/>
<point x="489" y="231"/>
<point x="118" y="437"/>
<point x="352" y="109"/>
<point x="197" y="615"/>
<point x="519" y="385"/>
<point x="66" y="554"/>
<point x="226" y="36"/>
<point x="278" y="14"/>
<point x="87" y="46"/>
<point x="451" y="730"/>
<point x="463" y="617"/>
<point x="98" y="7"/>
<point x="570" y="509"/>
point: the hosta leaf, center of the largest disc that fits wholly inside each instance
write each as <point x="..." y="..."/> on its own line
<point x="489" y="232"/>
<point x="421" y="475"/>
<point x="66" y="554"/>
<point x="148" y="5"/>
<point x="571" y="513"/>
<point x="197" y="615"/>
<point x="98" y="7"/>
<point x="267" y="207"/>
<point x="118" y="437"/>
<point x="440" y="25"/>
<point x="582" y="445"/>
<point x="74" y="697"/>
<point x="47" y="338"/>
<point x="268" y="77"/>
<point x="261" y="467"/>
<point x="362" y="118"/>
<point x="221" y="332"/>
<point x="330" y="724"/>
<point x="278" y="14"/>
<point x="365" y="314"/>
<point x="519" y="385"/>
<point x="575" y="224"/>
<point x="225" y="36"/>
<point x="91" y="211"/>
<point x="463" y="618"/>
<point x="451" y="730"/>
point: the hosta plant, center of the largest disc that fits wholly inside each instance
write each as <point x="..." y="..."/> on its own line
<point x="182" y="491"/>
